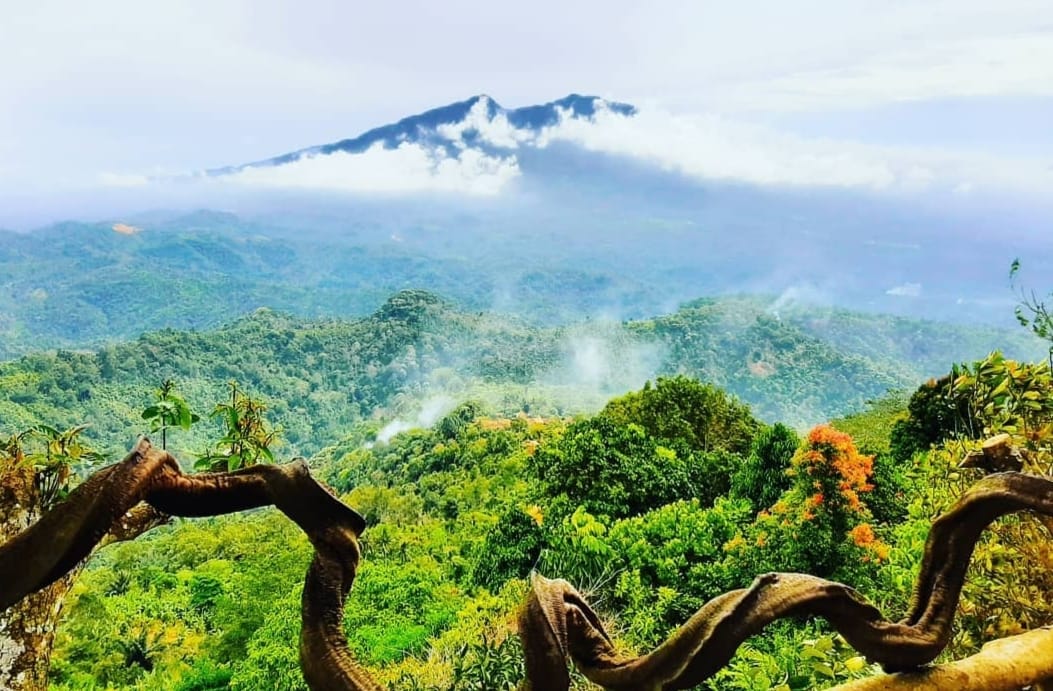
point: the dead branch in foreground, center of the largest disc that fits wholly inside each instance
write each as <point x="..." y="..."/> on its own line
<point x="1004" y="665"/>
<point x="557" y="625"/>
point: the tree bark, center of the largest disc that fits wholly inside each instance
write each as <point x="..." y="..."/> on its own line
<point x="27" y="629"/>
<point x="1008" y="664"/>
<point x="27" y="636"/>
<point x="558" y="626"/>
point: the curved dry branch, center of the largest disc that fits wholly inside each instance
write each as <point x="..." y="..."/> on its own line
<point x="1006" y="664"/>
<point x="56" y="543"/>
<point x="558" y="625"/>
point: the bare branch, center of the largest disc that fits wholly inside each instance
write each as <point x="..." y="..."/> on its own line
<point x="61" y="539"/>
<point x="1007" y="664"/>
<point x="557" y="623"/>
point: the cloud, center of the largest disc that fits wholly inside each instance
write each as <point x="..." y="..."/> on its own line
<point x="907" y="290"/>
<point x="709" y="146"/>
<point x="409" y="167"/>
<point x="702" y="146"/>
<point x="496" y="130"/>
<point x="188" y="84"/>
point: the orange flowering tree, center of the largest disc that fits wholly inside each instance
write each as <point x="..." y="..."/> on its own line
<point x="821" y="524"/>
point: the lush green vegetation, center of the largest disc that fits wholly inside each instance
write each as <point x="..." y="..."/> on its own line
<point x="323" y="378"/>
<point x="460" y="513"/>
<point x="479" y="448"/>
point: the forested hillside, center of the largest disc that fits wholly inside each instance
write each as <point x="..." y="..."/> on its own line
<point x="320" y="378"/>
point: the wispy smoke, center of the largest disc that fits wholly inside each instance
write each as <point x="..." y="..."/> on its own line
<point x="799" y="293"/>
<point x="431" y="411"/>
<point x="605" y="362"/>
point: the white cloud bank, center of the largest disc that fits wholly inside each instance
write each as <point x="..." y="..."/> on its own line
<point x="409" y="167"/>
<point x="714" y="147"/>
<point x="496" y="130"/>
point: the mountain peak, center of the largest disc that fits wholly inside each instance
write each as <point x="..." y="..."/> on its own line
<point x="461" y="117"/>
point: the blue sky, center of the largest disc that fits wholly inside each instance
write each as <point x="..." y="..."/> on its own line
<point x="91" y="92"/>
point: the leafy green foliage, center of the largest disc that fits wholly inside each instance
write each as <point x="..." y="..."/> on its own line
<point x="687" y="415"/>
<point x="795" y="661"/>
<point x="248" y="436"/>
<point x="992" y="395"/>
<point x="821" y="525"/>
<point x="510" y="550"/>
<point x="611" y="469"/>
<point x="1031" y="312"/>
<point x="763" y="476"/>
<point x="56" y="458"/>
<point x="322" y="379"/>
<point x="650" y="506"/>
<point x="169" y="410"/>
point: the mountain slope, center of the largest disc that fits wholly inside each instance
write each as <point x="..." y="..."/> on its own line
<point x="324" y="377"/>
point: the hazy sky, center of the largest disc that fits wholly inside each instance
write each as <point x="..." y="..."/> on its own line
<point x="134" y="87"/>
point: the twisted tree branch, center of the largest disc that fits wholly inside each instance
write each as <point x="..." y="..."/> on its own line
<point x="557" y="623"/>
<point x="1006" y="664"/>
<point x="56" y="543"/>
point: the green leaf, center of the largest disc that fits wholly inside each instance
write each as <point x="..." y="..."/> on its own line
<point x="824" y="669"/>
<point x="812" y="653"/>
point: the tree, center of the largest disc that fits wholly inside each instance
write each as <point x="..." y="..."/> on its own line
<point x="556" y="622"/>
<point x="611" y="469"/>
<point x="248" y="438"/>
<point x="820" y="524"/>
<point x="1031" y="312"/>
<point x="687" y="415"/>
<point x="168" y="410"/>
<point x="50" y="549"/>
<point x="763" y="478"/>
<point x="511" y="548"/>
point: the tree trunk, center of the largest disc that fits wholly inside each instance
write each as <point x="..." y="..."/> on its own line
<point x="27" y="635"/>
<point x="27" y="629"/>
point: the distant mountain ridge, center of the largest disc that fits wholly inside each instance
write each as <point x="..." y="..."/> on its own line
<point x="77" y="285"/>
<point x="427" y="127"/>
